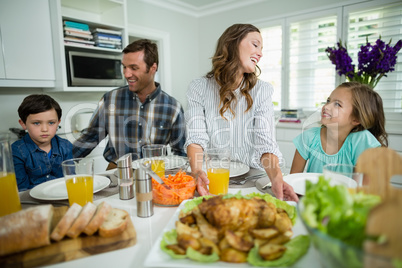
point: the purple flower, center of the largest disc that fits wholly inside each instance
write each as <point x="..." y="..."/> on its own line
<point x="374" y="61"/>
<point x="341" y="59"/>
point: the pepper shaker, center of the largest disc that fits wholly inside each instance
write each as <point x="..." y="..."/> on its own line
<point x="126" y="183"/>
<point x="143" y="187"/>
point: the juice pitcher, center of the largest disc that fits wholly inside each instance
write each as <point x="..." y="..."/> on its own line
<point x="9" y="198"/>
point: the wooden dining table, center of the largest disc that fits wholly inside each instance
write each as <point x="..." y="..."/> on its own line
<point x="150" y="229"/>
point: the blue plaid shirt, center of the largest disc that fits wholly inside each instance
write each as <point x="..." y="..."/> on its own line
<point x="131" y="124"/>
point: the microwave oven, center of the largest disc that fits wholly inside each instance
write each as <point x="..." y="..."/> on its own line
<point x="88" y="69"/>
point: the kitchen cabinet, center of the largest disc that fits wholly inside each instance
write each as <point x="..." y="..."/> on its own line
<point x="105" y="14"/>
<point x="26" y="49"/>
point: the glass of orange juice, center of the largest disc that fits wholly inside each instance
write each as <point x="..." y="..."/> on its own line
<point x="9" y="198"/>
<point x="155" y="153"/>
<point x="79" y="177"/>
<point x="218" y="170"/>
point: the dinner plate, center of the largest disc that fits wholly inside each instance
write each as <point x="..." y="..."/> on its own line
<point x="171" y="162"/>
<point x="238" y="168"/>
<point x="56" y="189"/>
<point x="298" y="181"/>
<point x="157" y="258"/>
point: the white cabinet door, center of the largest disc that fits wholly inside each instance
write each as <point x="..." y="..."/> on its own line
<point x="26" y="41"/>
<point x="2" y="70"/>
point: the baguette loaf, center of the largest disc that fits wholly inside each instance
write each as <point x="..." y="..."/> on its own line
<point x="115" y="223"/>
<point x="65" y="222"/>
<point x="25" y="229"/>
<point x="82" y="220"/>
<point x="101" y="213"/>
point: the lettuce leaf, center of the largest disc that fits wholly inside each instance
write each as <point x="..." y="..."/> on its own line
<point x="337" y="212"/>
<point x="295" y="249"/>
<point x="197" y="256"/>
<point x="168" y="238"/>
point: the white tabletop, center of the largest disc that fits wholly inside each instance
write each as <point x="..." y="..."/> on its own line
<point x="148" y="230"/>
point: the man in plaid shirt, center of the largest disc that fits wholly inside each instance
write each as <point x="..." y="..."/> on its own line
<point x="137" y="114"/>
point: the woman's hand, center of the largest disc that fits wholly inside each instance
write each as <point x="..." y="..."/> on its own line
<point x="202" y="182"/>
<point x="284" y="191"/>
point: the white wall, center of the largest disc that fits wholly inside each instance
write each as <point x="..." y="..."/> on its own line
<point x="184" y="42"/>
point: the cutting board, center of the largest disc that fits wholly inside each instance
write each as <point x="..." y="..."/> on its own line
<point x="70" y="249"/>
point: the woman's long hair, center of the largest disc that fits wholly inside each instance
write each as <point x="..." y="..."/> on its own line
<point x="226" y="64"/>
<point x="368" y="110"/>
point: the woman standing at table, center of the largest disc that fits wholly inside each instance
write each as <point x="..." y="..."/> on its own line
<point x="231" y="108"/>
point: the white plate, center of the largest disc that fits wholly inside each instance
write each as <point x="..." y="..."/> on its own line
<point x="56" y="189"/>
<point x="238" y="168"/>
<point x="157" y="258"/>
<point x="298" y="181"/>
<point x="171" y="162"/>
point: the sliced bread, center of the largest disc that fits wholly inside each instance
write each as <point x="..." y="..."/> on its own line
<point x="115" y="223"/>
<point x="85" y="216"/>
<point x="65" y="222"/>
<point x="102" y="211"/>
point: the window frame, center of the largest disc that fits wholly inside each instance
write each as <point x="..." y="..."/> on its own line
<point x="342" y="12"/>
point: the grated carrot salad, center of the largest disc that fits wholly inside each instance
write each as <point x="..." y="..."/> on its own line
<point x="182" y="188"/>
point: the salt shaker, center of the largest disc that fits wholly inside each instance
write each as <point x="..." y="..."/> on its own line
<point x="125" y="171"/>
<point x="143" y="188"/>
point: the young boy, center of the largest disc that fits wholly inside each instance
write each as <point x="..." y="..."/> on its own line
<point x="38" y="155"/>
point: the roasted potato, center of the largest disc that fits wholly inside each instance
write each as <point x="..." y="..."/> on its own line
<point x="205" y="242"/>
<point x="176" y="249"/>
<point x="188" y="219"/>
<point x="266" y="233"/>
<point x="182" y="228"/>
<point x="233" y="255"/>
<point x="279" y="240"/>
<point x="267" y="216"/>
<point x="271" y="252"/>
<point x="206" y="229"/>
<point x="238" y="242"/>
<point x="282" y="222"/>
<point x="223" y="244"/>
<point x="186" y="240"/>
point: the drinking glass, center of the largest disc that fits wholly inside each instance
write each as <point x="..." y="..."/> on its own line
<point x="79" y="177"/>
<point x="344" y="174"/>
<point x="156" y="154"/>
<point x="9" y="198"/>
<point x="218" y="170"/>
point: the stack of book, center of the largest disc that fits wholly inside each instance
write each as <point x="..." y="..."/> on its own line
<point x="76" y="33"/>
<point x="107" y="38"/>
<point x="291" y="115"/>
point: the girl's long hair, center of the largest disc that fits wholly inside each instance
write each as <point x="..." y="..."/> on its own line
<point x="226" y="64"/>
<point x="368" y="110"/>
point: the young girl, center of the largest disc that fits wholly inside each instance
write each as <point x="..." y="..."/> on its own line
<point x="230" y="107"/>
<point x="352" y="121"/>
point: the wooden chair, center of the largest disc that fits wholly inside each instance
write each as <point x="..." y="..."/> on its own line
<point x="378" y="166"/>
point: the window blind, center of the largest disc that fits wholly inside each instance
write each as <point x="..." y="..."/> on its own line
<point x="384" y="21"/>
<point x="271" y="62"/>
<point x="306" y="77"/>
<point x="311" y="74"/>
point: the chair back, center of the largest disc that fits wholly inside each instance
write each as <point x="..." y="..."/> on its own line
<point x="378" y="166"/>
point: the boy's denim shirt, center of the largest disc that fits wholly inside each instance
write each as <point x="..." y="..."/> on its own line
<point x="33" y="166"/>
